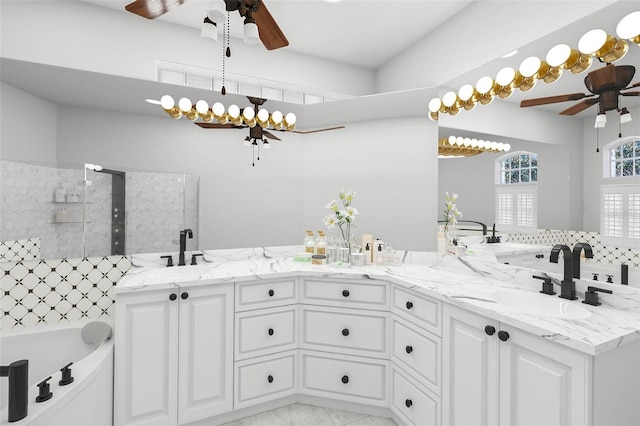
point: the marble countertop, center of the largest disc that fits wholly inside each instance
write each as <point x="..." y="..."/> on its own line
<point x="469" y="282"/>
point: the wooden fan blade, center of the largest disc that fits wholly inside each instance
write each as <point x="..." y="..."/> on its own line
<point x="552" y="99"/>
<point x="151" y="9"/>
<point x="581" y="106"/>
<point x="270" y="33"/>
<point x="305" y="132"/>
<point x="216" y="125"/>
<point x="270" y="135"/>
<point x="630" y="94"/>
<point x="636" y="84"/>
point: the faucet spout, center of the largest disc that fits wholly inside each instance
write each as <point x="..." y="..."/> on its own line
<point x="588" y="252"/>
<point x="18" y="374"/>
<point x="183" y="245"/>
<point x="567" y="286"/>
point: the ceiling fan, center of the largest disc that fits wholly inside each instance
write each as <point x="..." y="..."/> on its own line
<point x="254" y="11"/>
<point x="257" y="132"/>
<point x="605" y="84"/>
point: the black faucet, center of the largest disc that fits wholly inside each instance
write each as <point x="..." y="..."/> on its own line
<point x="18" y="374"/>
<point x="588" y="253"/>
<point x="183" y="244"/>
<point x="567" y="286"/>
<point x="493" y="238"/>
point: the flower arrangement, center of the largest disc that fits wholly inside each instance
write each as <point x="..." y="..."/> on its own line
<point x="451" y="212"/>
<point x="342" y="217"/>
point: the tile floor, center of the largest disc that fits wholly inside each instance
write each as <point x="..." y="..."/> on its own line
<point x="310" y="415"/>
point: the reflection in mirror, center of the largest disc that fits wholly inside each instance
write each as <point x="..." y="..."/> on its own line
<point x="56" y="212"/>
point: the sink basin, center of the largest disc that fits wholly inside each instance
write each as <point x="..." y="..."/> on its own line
<point x="540" y="304"/>
<point x="179" y="273"/>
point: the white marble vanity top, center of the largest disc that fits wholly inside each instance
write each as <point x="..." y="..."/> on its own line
<point x="469" y="282"/>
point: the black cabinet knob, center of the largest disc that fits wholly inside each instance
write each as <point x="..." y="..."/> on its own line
<point x="345" y="379"/>
<point x="270" y="378"/>
<point x="408" y="349"/>
<point x="184" y="295"/>
<point x="173" y="296"/>
<point x="270" y="332"/>
<point x="490" y="330"/>
<point x="503" y="335"/>
<point x="271" y="293"/>
<point x="345" y="293"/>
<point x="345" y="332"/>
<point x="408" y="403"/>
<point x="409" y="305"/>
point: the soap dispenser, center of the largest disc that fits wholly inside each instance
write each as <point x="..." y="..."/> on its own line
<point x="60" y="194"/>
<point x="378" y="252"/>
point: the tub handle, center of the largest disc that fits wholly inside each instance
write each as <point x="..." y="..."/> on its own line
<point x="66" y="375"/>
<point x="44" y="393"/>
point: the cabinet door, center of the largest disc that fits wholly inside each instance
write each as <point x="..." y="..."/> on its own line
<point x="541" y="382"/>
<point x="470" y="375"/>
<point x="146" y="354"/>
<point x="206" y="352"/>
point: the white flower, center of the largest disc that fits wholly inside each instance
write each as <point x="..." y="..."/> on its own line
<point x="350" y="195"/>
<point x="350" y="212"/>
<point x="330" y="221"/>
<point x="332" y="205"/>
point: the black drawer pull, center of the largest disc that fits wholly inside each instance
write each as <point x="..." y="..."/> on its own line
<point x="503" y="335"/>
<point x="409" y="305"/>
<point x="345" y="379"/>
<point x="184" y="295"/>
<point x="409" y="349"/>
<point x="270" y="332"/>
<point x="345" y="293"/>
<point x="345" y="332"/>
<point x="270" y="378"/>
<point x="173" y="296"/>
<point x="490" y="330"/>
<point x="271" y="293"/>
<point x="408" y="403"/>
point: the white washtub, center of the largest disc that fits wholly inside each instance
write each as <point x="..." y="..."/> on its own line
<point x="86" y="401"/>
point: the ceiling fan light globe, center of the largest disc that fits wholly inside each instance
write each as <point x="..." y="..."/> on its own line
<point x="629" y="27"/>
<point x="209" y="30"/>
<point x="250" y="33"/>
<point x="601" y="120"/>
<point x="217" y="11"/>
<point x="625" y="116"/>
<point x="167" y="102"/>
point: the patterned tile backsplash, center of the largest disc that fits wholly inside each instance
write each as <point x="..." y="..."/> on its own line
<point x="16" y="250"/>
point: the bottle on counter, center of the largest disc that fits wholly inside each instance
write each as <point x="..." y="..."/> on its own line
<point x="321" y="243"/>
<point x="378" y="252"/>
<point x="310" y="243"/>
<point x="60" y="194"/>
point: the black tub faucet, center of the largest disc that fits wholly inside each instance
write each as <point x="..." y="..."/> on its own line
<point x="183" y="244"/>
<point x="18" y="375"/>
<point x="567" y="286"/>
<point x="588" y="253"/>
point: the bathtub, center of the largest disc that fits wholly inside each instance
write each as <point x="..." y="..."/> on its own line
<point x="86" y="401"/>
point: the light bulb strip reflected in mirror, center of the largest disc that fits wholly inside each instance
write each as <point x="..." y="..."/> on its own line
<point x="233" y="114"/>
<point x="457" y="146"/>
<point x="593" y="44"/>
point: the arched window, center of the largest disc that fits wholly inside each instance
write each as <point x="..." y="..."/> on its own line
<point x="620" y="193"/>
<point x="517" y="192"/>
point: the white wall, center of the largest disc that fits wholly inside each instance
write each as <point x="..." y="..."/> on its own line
<point x="82" y="36"/>
<point x="27" y="126"/>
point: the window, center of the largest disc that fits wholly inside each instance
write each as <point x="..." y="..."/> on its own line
<point x="620" y="193"/>
<point x="517" y="192"/>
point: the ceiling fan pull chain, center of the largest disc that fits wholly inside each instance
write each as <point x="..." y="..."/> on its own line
<point x="226" y="53"/>
<point x="597" y="139"/>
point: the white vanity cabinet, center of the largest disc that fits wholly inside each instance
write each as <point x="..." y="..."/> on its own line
<point x="344" y="340"/>
<point x="266" y="341"/>
<point x="173" y="354"/>
<point x="495" y="374"/>
<point x="416" y="355"/>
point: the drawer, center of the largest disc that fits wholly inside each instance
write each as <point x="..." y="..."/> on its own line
<point x="266" y="293"/>
<point x="411" y="404"/>
<point x="353" y="379"/>
<point x="418" y="352"/>
<point x="351" y="331"/>
<point x="265" y="378"/>
<point x="265" y="331"/>
<point x="369" y="294"/>
<point x="418" y="308"/>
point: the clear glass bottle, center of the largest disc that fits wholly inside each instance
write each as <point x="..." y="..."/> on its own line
<point x="310" y="243"/>
<point x="321" y="244"/>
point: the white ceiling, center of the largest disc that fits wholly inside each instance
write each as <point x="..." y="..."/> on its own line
<point x="365" y="33"/>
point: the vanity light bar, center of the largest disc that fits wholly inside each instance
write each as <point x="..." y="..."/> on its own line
<point x="457" y="146"/>
<point x="593" y="44"/>
<point x="233" y="114"/>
